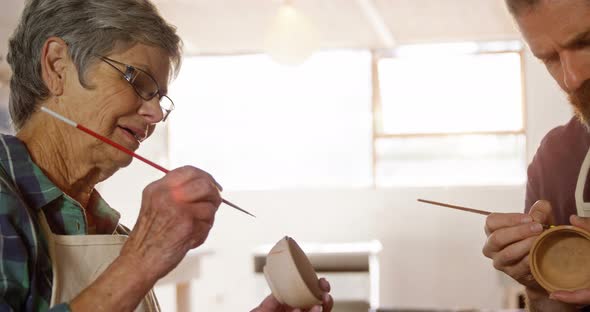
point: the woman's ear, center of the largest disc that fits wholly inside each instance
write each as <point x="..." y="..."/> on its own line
<point x="54" y="62"/>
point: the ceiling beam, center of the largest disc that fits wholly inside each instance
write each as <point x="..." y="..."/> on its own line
<point x="377" y="23"/>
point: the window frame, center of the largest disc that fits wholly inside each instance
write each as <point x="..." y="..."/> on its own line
<point x="376" y="105"/>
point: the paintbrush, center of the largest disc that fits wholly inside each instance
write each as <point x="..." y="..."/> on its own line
<point x="481" y="212"/>
<point x="125" y="150"/>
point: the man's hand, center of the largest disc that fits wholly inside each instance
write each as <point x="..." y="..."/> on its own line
<point x="579" y="297"/>
<point x="510" y="238"/>
<point x="270" y="304"/>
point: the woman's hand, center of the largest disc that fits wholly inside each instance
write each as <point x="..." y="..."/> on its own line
<point x="177" y="213"/>
<point x="270" y="304"/>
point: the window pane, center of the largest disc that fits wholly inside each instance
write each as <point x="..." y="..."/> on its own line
<point x="254" y="124"/>
<point x="451" y="160"/>
<point x="451" y="93"/>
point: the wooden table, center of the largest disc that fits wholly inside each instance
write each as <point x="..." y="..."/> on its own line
<point x="189" y="269"/>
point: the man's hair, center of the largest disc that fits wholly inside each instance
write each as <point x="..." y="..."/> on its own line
<point x="90" y="28"/>
<point x="517" y="6"/>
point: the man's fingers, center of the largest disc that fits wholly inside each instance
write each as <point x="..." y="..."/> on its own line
<point x="541" y="212"/>
<point x="496" y="221"/>
<point x="583" y="223"/>
<point x="581" y="297"/>
<point x="513" y="253"/>
<point x="501" y="238"/>
<point x="521" y="271"/>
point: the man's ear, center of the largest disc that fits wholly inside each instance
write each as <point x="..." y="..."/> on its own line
<point x="54" y="62"/>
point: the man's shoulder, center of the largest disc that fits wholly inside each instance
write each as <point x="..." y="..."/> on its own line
<point x="573" y="132"/>
<point x="561" y="148"/>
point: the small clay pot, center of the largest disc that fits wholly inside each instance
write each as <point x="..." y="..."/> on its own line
<point x="559" y="259"/>
<point x="291" y="276"/>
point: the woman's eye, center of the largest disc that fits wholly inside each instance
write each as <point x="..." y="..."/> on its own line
<point x="133" y="76"/>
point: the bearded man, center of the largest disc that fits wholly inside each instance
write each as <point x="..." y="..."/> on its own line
<point x="558" y="33"/>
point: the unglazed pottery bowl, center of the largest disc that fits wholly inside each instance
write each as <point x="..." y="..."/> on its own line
<point x="291" y="276"/>
<point x="559" y="259"/>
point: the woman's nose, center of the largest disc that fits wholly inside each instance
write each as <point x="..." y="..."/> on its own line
<point x="151" y="110"/>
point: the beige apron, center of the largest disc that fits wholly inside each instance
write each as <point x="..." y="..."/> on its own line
<point x="77" y="260"/>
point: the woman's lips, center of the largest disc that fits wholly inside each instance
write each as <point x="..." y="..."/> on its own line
<point x="140" y="133"/>
<point x="130" y="136"/>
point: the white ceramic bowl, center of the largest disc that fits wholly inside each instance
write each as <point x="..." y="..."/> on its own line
<point x="291" y="276"/>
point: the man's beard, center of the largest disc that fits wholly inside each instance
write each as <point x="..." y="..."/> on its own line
<point x="580" y="100"/>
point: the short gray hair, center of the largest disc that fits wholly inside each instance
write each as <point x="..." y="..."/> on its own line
<point x="90" y="28"/>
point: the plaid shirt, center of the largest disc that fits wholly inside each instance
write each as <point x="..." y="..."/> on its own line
<point x="25" y="267"/>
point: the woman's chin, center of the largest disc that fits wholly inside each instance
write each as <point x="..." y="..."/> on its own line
<point x="120" y="160"/>
<point x="125" y="161"/>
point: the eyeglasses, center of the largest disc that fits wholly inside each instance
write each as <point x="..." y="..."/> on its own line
<point x="144" y="85"/>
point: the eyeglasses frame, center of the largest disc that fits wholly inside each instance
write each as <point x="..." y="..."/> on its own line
<point x="128" y="76"/>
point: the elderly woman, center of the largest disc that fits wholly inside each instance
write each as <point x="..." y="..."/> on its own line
<point x="105" y="64"/>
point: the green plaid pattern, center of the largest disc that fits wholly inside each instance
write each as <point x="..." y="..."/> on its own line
<point x="25" y="267"/>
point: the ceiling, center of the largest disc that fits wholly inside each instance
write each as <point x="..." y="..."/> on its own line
<point x="230" y="26"/>
<point x="239" y="26"/>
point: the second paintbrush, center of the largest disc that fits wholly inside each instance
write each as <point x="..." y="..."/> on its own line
<point x="481" y="212"/>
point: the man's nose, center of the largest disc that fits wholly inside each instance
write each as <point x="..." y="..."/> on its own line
<point x="575" y="69"/>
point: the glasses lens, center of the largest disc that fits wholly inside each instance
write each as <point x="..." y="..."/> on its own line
<point x="167" y="106"/>
<point x="145" y="85"/>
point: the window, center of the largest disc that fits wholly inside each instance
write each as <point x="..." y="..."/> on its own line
<point x="426" y="115"/>
<point x="254" y="124"/>
<point x="449" y="117"/>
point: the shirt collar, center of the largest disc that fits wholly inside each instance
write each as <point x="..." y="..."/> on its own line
<point x="36" y="187"/>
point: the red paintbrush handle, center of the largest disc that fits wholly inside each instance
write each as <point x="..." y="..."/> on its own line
<point x="147" y="161"/>
<point x="121" y="148"/>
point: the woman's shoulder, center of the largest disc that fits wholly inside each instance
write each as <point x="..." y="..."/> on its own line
<point x="12" y="148"/>
<point x="12" y="208"/>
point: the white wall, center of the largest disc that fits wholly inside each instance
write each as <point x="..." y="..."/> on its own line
<point x="547" y="104"/>
<point x="431" y="257"/>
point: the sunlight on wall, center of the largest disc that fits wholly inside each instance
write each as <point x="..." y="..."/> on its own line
<point x="254" y="124"/>
<point x="481" y="92"/>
